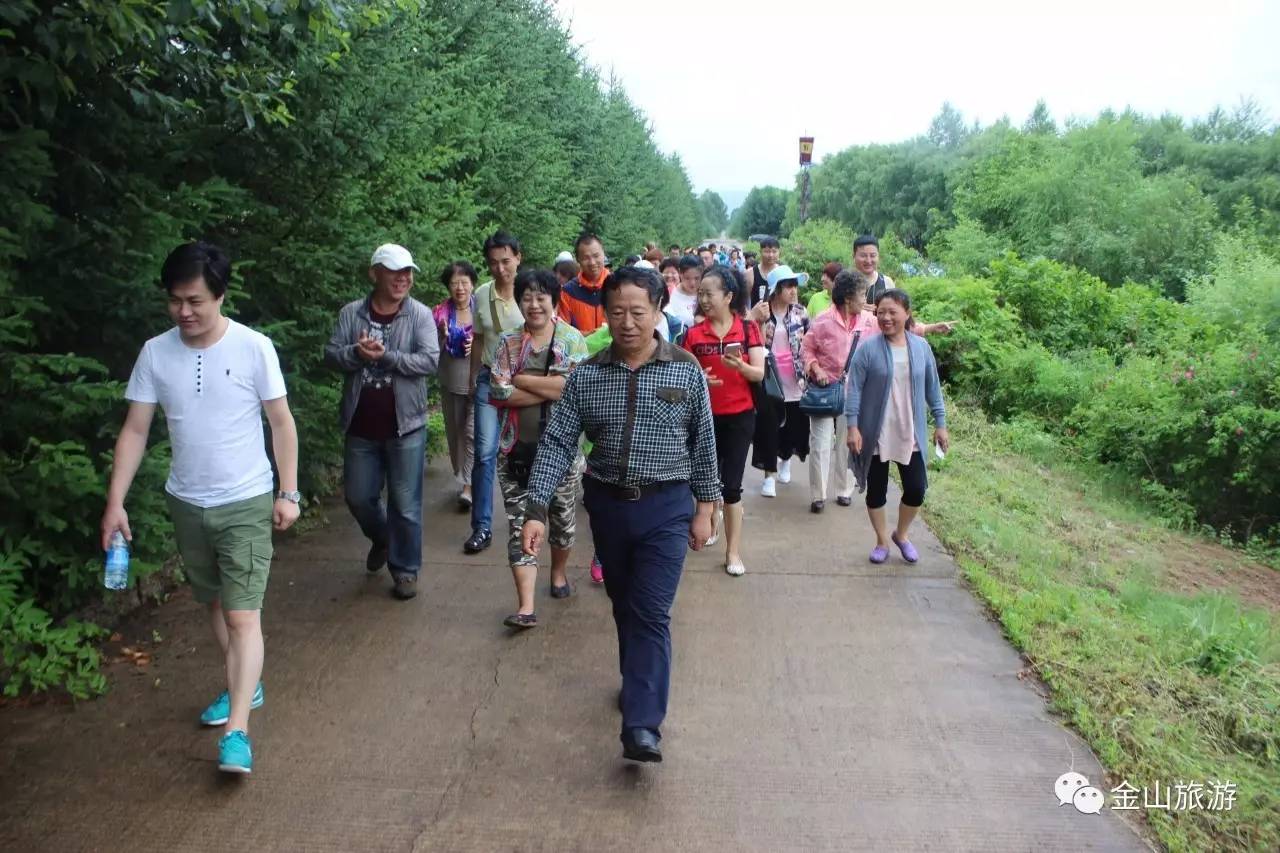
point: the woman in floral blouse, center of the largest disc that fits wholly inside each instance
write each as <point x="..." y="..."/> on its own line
<point x="529" y="371"/>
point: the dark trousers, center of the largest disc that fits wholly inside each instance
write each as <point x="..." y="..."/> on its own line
<point x="642" y="545"/>
<point x="733" y="441"/>
<point x="782" y="431"/>
<point x="914" y="481"/>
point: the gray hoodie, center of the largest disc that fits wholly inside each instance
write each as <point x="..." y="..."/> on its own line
<point x="413" y="352"/>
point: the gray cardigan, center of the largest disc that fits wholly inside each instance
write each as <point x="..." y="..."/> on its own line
<point x="413" y="352"/>
<point x="867" y="395"/>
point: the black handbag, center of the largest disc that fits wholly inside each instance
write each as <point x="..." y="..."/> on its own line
<point x="771" y="384"/>
<point x="769" y="388"/>
<point x="828" y="400"/>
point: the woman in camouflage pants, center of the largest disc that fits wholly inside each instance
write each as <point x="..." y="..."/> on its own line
<point x="529" y="370"/>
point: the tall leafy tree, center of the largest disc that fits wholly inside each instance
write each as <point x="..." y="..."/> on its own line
<point x="714" y="210"/>
<point x="761" y="212"/>
<point x="299" y="134"/>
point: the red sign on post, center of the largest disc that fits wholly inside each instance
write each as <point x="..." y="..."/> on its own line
<point x="806" y="150"/>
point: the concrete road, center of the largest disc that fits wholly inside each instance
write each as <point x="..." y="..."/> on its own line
<point x="818" y="703"/>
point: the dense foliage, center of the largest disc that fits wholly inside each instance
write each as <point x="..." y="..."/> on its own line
<point x="1125" y="197"/>
<point x="714" y="212"/>
<point x="1184" y="400"/>
<point x="1117" y="281"/>
<point x="761" y="212"/>
<point x="300" y="134"/>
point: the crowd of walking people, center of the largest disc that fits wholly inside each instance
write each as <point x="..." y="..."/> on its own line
<point x="642" y="389"/>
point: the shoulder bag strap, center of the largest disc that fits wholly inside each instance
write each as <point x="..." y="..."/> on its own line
<point x="848" y="363"/>
<point x="493" y="310"/>
<point x="546" y="371"/>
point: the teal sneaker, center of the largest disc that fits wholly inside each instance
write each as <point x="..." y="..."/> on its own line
<point x="235" y="755"/>
<point x="219" y="712"/>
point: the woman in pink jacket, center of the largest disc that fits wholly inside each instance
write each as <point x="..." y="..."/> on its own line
<point x="825" y="352"/>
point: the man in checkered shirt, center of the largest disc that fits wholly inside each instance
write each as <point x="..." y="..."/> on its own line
<point x="650" y="489"/>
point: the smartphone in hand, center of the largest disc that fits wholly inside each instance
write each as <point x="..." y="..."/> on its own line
<point x="733" y="349"/>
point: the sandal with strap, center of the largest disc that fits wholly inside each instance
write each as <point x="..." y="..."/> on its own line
<point x="521" y="620"/>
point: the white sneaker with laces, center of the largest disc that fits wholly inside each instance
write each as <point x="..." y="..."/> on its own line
<point x="768" y="489"/>
<point x="784" y="471"/>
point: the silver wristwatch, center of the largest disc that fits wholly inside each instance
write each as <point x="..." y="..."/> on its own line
<point x="292" y="497"/>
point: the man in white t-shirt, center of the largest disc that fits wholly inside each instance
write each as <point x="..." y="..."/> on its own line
<point x="214" y="378"/>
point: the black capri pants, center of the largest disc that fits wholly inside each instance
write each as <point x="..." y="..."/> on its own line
<point x="914" y="481"/>
<point x="733" y="440"/>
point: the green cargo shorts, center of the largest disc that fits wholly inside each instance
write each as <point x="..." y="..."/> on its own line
<point x="226" y="550"/>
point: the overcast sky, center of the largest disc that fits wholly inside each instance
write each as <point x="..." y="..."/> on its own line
<point x="731" y="84"/>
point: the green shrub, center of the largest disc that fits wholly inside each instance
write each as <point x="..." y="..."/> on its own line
<point x="1156" y="389"/>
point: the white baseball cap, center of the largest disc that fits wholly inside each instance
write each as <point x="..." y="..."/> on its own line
<point x="642" y="264"/>
<point x="393" y="257"/>
<point x="564" y="256"/>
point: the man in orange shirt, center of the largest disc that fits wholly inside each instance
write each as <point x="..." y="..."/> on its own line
<point x="580" y="301"/>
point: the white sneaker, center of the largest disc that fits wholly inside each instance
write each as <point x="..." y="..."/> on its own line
<point x="735" y="569"/>
<point x="768" y="489"/>
<point x="784" y="471"/>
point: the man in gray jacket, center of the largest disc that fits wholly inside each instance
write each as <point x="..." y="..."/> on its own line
<point x="386" y="344"/>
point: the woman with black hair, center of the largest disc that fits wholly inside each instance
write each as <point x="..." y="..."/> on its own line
<point x="825" y="351"/>
<point x="529" y="371"/>
<point x="454" y="325"/>
<point x="782" y="430"/>
<point x="732" y="354"/>
<point x="893" y="384"/>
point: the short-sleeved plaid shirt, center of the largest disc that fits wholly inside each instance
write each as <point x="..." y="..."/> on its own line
<point x="649" y="425"/>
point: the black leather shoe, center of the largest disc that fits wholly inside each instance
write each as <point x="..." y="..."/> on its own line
<point x="479" y="540"/>
<point x="843" y="501"/>
<point x="640" y="745"/>
<point x="816" y="507"/>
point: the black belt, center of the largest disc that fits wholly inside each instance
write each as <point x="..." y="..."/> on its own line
<point x="634" y="493"/>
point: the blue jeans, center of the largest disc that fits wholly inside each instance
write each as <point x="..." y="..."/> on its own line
<point x="486" y="456"/>
<point x="398" y="463"/>
<point x="642" y="546"/>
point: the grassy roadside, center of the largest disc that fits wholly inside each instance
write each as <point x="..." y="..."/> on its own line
<point x="1160" y="648"/>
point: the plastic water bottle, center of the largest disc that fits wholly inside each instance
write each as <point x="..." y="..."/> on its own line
<point x="115" y="574"/>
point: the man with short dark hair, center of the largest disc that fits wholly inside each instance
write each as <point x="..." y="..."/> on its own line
<point x="708" y="257"/>
<point x="673" y="251"/>
<point x="496" y="313"/>
<point x="866" y="259"/>
<point x="386" y="345"/>
<point x="580" y="303"/>
<point x="650" y="488"/>
<point x="758" y="275"/>
<point x="214" y="378"/>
